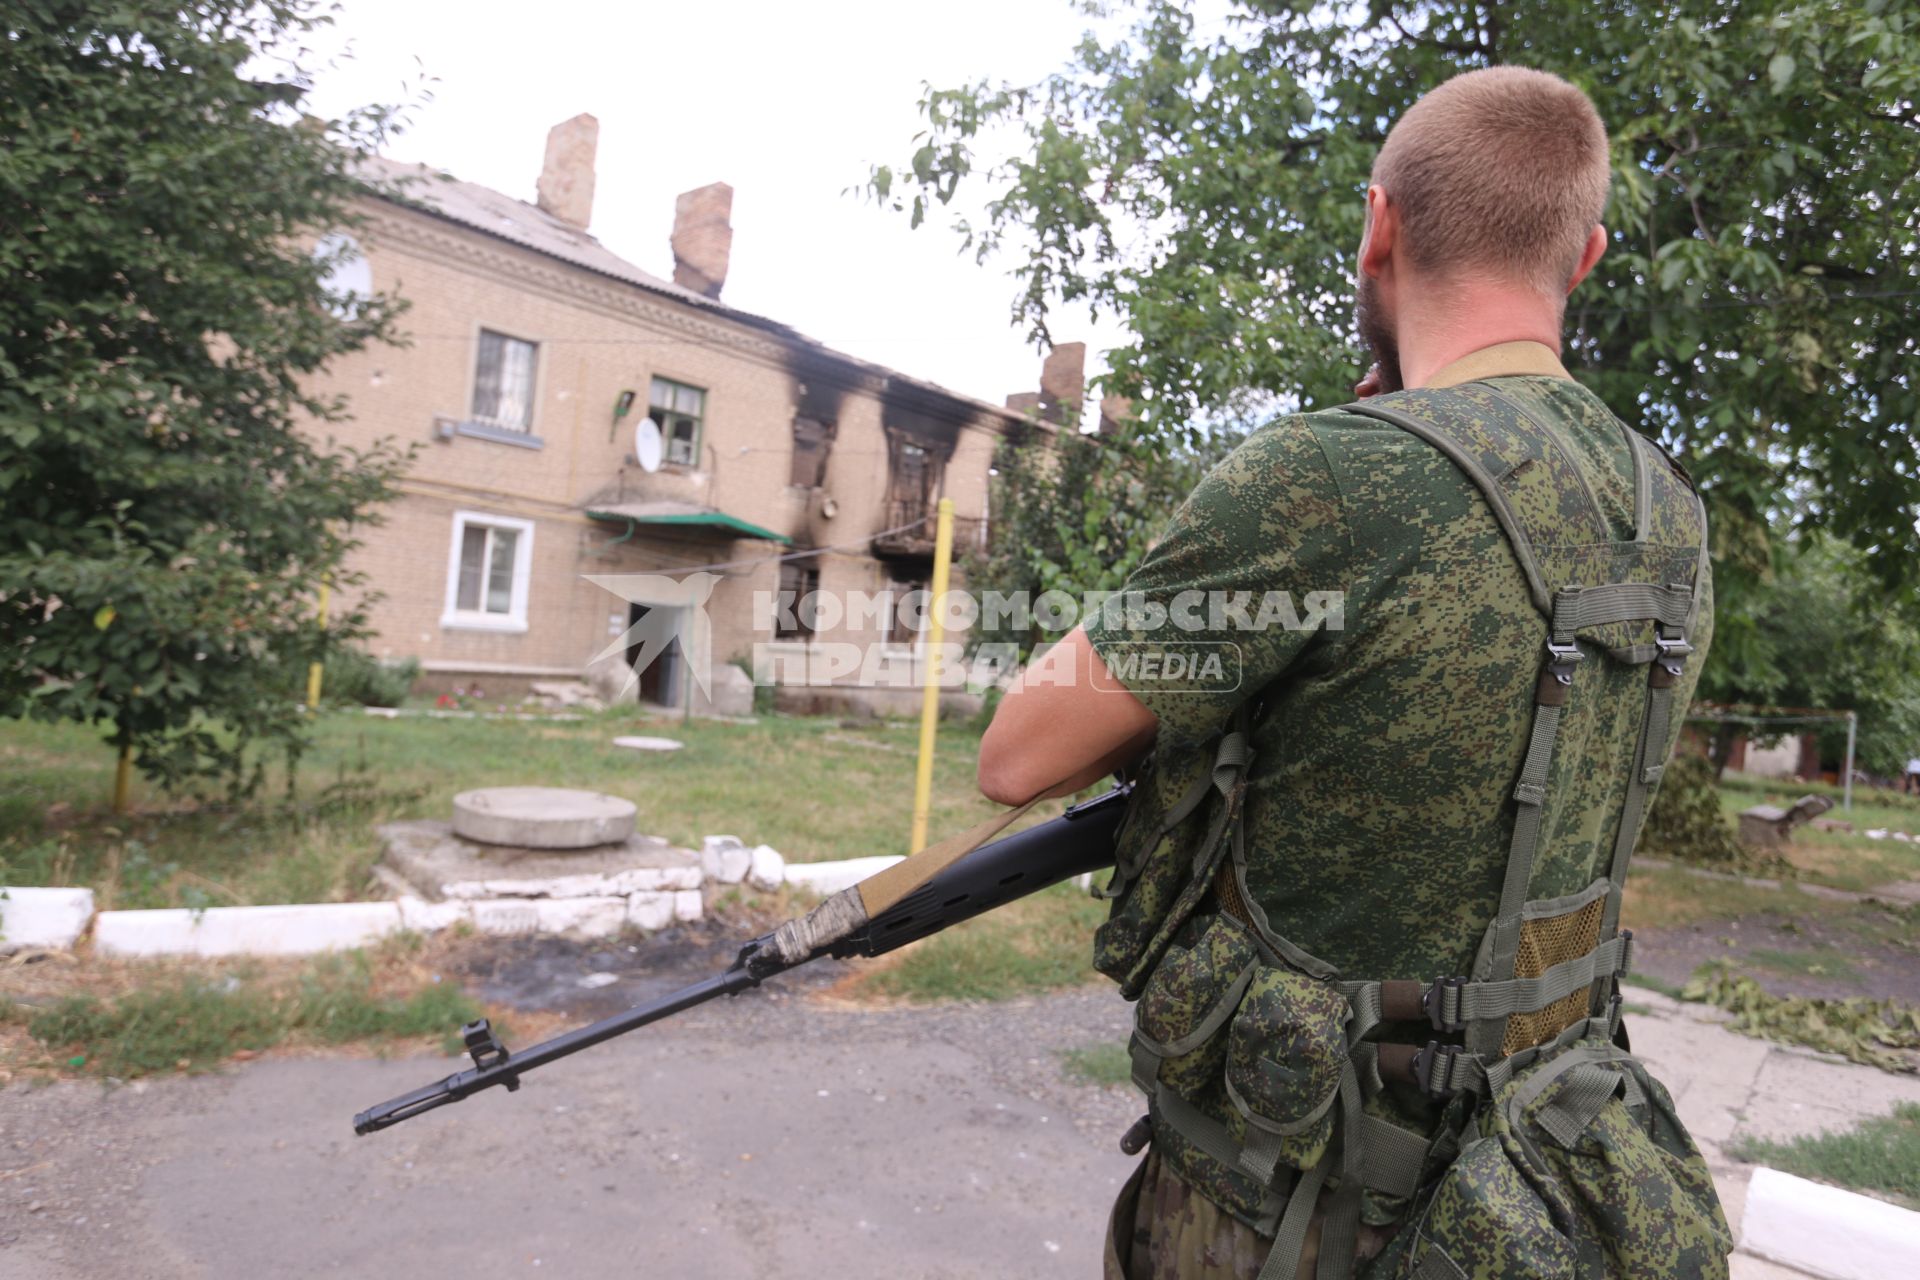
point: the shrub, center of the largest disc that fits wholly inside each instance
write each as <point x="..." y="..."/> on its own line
<point x="357" y="677"/>
<point x="1686" y="823"/>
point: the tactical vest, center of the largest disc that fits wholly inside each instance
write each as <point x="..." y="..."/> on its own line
<point x="1556" y="1154"/>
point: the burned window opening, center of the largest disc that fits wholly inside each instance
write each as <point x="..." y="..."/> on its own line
<point x="795" y="614"/>
<point x="812" y="445"/>
<point x="899" y="627"/>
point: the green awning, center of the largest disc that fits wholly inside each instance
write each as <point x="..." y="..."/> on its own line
<point x="686" y="515"/>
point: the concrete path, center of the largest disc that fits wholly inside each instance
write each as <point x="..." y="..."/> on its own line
<point x="771" y="1136"/>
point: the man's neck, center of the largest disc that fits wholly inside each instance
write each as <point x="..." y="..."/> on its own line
<point x="1467" y="318"/>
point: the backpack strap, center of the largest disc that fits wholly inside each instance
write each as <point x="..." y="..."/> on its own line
<point x="1481" y="1008"/>
<point x="1483" y="480"/>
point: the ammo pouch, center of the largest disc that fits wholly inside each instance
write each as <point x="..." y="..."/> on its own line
<point x="1574" y="1166"/>
<point x="1219" y="1017"/>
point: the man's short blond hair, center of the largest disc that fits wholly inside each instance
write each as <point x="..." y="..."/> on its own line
<point x="1503" y="171"/>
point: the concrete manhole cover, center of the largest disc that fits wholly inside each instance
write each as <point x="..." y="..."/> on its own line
<point x="648" y="744"/>
<point x="542" y="817"/>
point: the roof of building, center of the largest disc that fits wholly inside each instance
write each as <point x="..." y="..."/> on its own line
<point x="531" y="227"/>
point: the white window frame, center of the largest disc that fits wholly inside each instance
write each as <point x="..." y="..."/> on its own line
<point x="515" y="619"/>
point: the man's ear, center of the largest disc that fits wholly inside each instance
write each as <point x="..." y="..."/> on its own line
<point x="1596" y="245"/>
<point x="1382" y="229"/>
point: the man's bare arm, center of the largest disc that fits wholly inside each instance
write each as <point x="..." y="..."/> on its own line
<point x="1064" y="725"/>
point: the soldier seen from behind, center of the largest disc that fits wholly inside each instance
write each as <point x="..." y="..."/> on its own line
<point x="1368" y="892"/>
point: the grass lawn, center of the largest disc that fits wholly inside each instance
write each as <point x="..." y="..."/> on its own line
<point x="811" y="788"/>
<point x="1845" y="860"/>
<point x="124" y="1019"/>
<point x="1881" y="1156"/>
<point x="808" y="787"/>
<point x="1034" y="944"/>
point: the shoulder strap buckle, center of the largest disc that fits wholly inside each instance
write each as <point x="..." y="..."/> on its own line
<point x="1561" y="659"/>
<point x="1671" y="663"/>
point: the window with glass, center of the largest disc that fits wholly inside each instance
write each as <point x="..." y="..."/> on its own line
<point x="503" y="382"/>
<point x="678" y="409"/>
<point x="487" y="580"/>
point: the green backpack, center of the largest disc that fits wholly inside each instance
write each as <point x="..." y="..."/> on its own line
<point x="1557" y="1155"/>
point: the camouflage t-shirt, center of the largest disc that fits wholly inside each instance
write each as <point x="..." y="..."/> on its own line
<point x="1394" y="672"/>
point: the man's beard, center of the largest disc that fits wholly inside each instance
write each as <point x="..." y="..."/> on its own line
<point x="1376" y="331"/>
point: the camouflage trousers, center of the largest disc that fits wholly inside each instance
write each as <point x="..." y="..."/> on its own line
<point x="1163" y="1229"/>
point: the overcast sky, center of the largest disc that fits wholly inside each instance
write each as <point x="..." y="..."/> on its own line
<point x="789" y="103"/>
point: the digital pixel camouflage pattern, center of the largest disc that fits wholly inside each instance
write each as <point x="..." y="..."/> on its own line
<point x="1377" y="804"/>
<point x="1563" y="1187"/>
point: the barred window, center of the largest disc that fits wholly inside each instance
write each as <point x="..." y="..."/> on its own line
<point x="503" y="382"/>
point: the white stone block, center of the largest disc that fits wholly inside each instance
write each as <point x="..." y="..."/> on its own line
<point x="832" y="877"/>
<point x="507" y="917"/>
<point x="688" y="905"/>
<point x="1828" y="1232"/>
<point x="725" y="859"/>
<point x="582" y="917"/>
<point x="679" y="878"/>
<point x="768" y="870"/>
<point x="615" y="885"/>
<point x="291" y="930"/>
<point x="422" y="916"/>
<point x="43" y="917"/>
<point x="650" y="911"/>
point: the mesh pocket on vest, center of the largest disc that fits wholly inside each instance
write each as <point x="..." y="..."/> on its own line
<point x="1544" y="943"/>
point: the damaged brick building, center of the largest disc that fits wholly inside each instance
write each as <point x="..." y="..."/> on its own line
<point x="535" y="355"/>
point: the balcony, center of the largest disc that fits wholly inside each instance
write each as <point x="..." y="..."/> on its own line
<point x="908" y="529"/>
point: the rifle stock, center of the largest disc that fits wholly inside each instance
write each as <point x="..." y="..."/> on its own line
<point x="1075" y="843"/>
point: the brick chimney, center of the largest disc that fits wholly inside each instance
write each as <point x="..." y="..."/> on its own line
<point x="1063" y="382"/>
<point x="1116" y="411"/>
<point x="703" y="238"/>
<point x="565" y="189"/>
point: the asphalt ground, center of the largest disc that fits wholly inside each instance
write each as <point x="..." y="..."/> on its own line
<point x="775" y="1134"/>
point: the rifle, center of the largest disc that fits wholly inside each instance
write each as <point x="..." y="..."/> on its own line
<point x="941" y="886"/>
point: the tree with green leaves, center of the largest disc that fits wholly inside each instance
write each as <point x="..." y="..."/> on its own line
<point x="168" y="502"/>
<point x="1824" y="634"/>
<point x="1758" y="309"/>
<point x="1076" y="513"/>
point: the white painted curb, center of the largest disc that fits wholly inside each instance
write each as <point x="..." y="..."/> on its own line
<point x="1828" y="1232"/>
<point x="832" y="877"/>
<point x="43" y="917"/>
<point x="291" y="930"/>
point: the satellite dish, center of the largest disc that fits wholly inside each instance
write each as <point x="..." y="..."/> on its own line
<point x="647" y="448"/>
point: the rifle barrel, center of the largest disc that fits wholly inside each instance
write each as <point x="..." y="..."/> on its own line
<point x="507" y="1071"/>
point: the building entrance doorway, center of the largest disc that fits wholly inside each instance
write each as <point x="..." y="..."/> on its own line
<point x="660" y="678"/>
